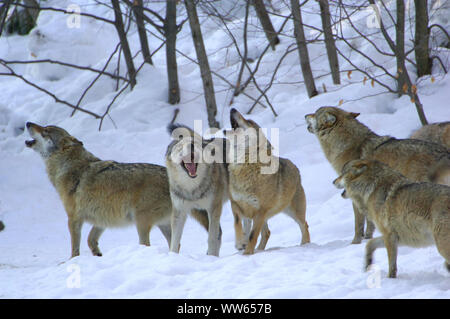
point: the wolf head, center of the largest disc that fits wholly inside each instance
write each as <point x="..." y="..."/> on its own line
<point x="247" y="135"/>
<point x="48" y="139"/>
<point x="327" y="117"/>
<point x="189" y="154"/>
<point x="357" y="173"/>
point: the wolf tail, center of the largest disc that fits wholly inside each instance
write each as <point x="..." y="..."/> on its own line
<point x="440" y="173"/>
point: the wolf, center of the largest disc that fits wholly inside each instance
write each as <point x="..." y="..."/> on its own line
<point x="436" y="132"/>
<point x="103" y="193"/>
<point x="343" y="138"/>
<point x="198" y="186"/>
<point x="258" y="196"/>
<point x="405" y="212"/>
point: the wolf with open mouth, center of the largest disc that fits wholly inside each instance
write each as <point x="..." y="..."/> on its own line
<point x="105" y="194"/>
<point x="197" y="186"/>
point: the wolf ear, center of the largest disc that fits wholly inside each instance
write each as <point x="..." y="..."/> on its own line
<point x="354" y="114"/>
<point x="330" y="118"/>
<point x="70" y="141"/>
<point x="360" y="168"/>
<point x="75" y="141"/>
<point x="179" y="132"/>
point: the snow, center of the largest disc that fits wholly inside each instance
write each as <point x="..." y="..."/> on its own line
<point x="35" y="245"/>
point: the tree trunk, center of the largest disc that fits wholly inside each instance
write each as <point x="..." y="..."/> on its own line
<point x="415" y="99"/>
<point x="170" y="32"/>
<point x="404" y="84"/>
<point x="34" y="13"/>
<point x="264" y="19"/>
<point x="400" y="55"/>
<point x="118" y="23"/>
<point x="302" y="49"/>
<point x="329" y="41"/>
<point x="138" y="14"/>
<point x="208" y="85"/>
<point x="3" y="13"/>
<point x="421" y="40"/>
<point x="400" y="47"/>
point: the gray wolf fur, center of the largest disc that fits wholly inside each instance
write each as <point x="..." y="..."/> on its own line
<point x="343" y="138"/>
<point x="405" y="212"/>
<point x="197" y="186"/>
<point x="436" y="133"/>
<point x="258" y="196"/>
<point x="103" y="193"/>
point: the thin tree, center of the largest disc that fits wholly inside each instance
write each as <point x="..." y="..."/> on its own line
<point x="422" y="38"/>
<point x="266" y="24"/>
<point x="138" y="14"/>
<point x="399" y="51"/>
<point x="329" y="41"/>
<point x="118" y="23"/>
<point x="400" y="47"/>
<point x="300" y="38"/>
<point x="3" y="14"/>
<point x="169" y="29"/>
<point x="205" y="71"/>
<point x="170" y="32"/>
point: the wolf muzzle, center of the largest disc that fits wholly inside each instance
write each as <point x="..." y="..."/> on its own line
<point x="310" y="120"/>
<point x="32" y="127"/>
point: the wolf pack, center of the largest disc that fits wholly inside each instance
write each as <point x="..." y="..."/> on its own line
<point x="399" y="186"/>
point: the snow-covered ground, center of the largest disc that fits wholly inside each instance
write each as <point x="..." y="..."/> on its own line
<point x="35" y="245"/>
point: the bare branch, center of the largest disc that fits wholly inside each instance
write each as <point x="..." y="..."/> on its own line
<point x="87" y="68"/>
<point x="58" y="100"/>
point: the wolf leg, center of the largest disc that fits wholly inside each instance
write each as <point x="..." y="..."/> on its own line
<point x="391" y="242"/>
<point x="371" y="246"/>
<point x="359" y="225"/>
<point x="240" y="238"/>
<point x="297" y="211"/>
<point x="75" y="226"/>
<point x="265" y="234"/>
<point x="93" y="238"/>
<point x="166" y="231"/>
<point x="144" y="225"/>
<point x="370" y="228"/>
<point x="258" y="222"/>
<point x="214" y="230"/>
<point x="177" y="223"/>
